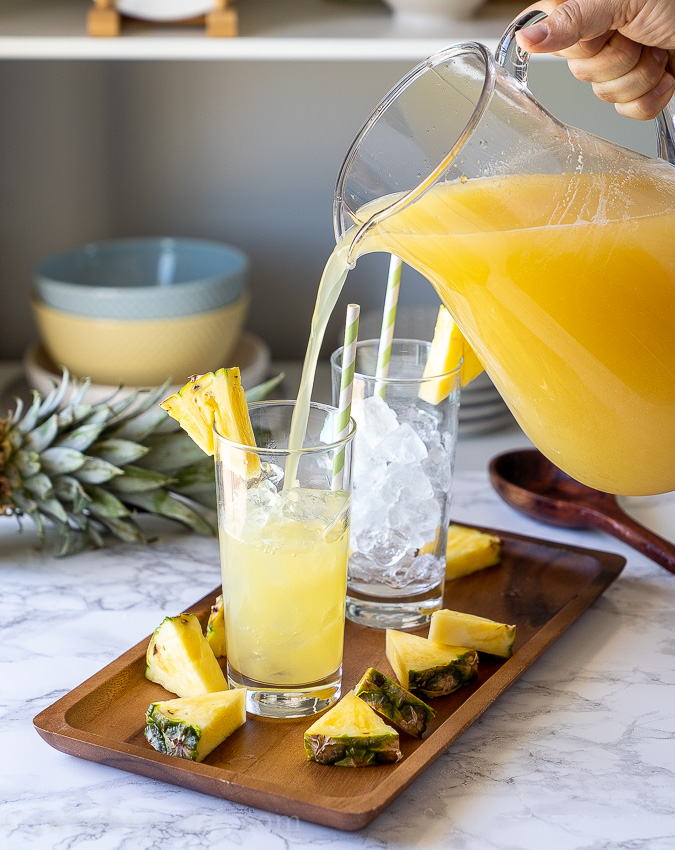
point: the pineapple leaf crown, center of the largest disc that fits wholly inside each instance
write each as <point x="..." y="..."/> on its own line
<point x="91" y="468"/>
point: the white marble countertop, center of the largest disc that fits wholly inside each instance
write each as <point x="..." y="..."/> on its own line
<point x="579" y="753"/>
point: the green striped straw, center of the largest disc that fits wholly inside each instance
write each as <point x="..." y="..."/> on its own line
<point x="346" y="387"/>
<point x="388" y="319"/>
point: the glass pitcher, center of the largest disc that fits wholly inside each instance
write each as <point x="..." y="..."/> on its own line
<point x="553" y="249"/>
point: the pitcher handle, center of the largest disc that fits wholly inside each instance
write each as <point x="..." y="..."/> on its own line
<point x="509" y="54"/>
<point x="665" y="133"/>
<point x="514" y="59"/>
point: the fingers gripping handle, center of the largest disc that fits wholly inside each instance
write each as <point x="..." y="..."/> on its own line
<point x="514" y="59"/>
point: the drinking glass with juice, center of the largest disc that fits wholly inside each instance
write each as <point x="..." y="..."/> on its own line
<point x="284" y="561"/>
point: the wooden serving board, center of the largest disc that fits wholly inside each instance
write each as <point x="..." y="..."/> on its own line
<point x="541" y="587"/>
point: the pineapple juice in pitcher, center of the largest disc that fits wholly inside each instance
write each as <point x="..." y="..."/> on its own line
<point x="553" y="249"/>
<point x="573" y="315"/>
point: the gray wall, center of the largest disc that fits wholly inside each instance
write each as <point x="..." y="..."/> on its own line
<point x="245" y="152"/>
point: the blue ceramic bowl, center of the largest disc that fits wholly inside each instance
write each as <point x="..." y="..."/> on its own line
<point x="142" y="278"/>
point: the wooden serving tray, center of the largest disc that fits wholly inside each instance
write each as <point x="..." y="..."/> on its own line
<point x="541" y="587"/>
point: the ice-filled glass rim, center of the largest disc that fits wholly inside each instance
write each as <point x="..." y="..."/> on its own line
<point x="285" y="452"/>
<point x="335" y="360"/>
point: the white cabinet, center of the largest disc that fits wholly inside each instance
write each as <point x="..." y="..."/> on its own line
<point x="233" y="139"/>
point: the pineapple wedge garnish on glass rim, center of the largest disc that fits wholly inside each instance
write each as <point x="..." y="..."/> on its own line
<point x="192" y="727"/>
<point x="448" y="350"/>
<point x="214" y="400"/>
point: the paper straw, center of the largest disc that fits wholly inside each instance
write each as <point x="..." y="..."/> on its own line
<point x="346" y="387"/>
<point x="388" y="319"/>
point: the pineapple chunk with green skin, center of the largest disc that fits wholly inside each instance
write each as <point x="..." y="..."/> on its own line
<point x="191" y="728"/>
<point x="351" y="735"/>
<point x="215" y="629"/>
<point x="389" y="699"/>
<point x="453" y="627"/>
<point x="180" y="659"/>
<point x="432" y="669"/>
<point x="469" y="550"/>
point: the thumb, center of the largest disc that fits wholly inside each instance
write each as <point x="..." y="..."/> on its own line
<point x="570" y="22"/>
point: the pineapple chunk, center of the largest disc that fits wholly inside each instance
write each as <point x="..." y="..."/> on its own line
<point x="180" y="659"/>
<point x="216" y="399"/>
<point x="452" y="627"/>
<point x="433" y="669"/>
<point x="469" y="550"/>
<point x="395" y="703"/>
<point x="448" y="349"/>
<point x="351" y="735"/>
<point x="215" y="629"/>
<point x="191" y="728"/>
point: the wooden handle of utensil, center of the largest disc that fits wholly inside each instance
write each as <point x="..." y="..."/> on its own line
<point x="619" y="524"/>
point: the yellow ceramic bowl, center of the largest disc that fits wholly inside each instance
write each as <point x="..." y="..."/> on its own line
<point x="143" y="352"/>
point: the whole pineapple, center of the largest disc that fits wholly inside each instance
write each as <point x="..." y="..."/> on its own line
<point x="88" y="468"/>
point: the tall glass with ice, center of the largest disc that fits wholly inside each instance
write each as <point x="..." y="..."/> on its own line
<point x="404" y="456"/>
<point x="283" y="519"/>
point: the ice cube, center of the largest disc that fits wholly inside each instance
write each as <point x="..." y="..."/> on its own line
<point x="425" y="515"/>
<point x="439" y="469"/>
<point x="426" y="425"/>
<point x="263" y="496"/>
<point x="400" y="476"/>
<point x="370" y="494"/>
<point x="406" y="525"/>
<point x="263" y="503"/>
<point x="338" y="525"/>
<point x="425" y="570"/>
<point x="374" y="419"/>
<point x="414" y="517"/>
<point x="362" y="568"/>
<point x="303" y="506"/>
<point x="271" y="472"/>
<point x="402" y="445"/>
<point x="367" y="464"/>
<point x="384" y="545"/>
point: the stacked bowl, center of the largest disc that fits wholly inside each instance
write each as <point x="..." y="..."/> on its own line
<point x="137" y="311"/>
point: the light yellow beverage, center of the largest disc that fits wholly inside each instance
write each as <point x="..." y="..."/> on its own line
<point x="565" y="287"/>
<point x="284" y="584"/>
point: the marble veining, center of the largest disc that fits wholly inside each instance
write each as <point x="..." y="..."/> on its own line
<point x="580" y="753"/>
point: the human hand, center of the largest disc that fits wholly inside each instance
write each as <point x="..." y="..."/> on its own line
<point x="624" y="48"/>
